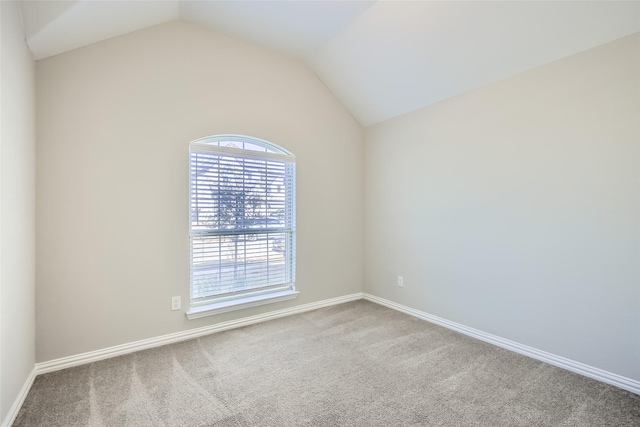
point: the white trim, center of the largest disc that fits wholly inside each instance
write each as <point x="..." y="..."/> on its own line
<point x="118" y="350"/>
<point x="93" y="356"/>
<point x="239" y="302"/>
<point x="552" y="359"/>
<point x="239" y="295"/>
<point x="239" y="152"/>
<point x="17" y="404"/>
<point x="216" y="139"/>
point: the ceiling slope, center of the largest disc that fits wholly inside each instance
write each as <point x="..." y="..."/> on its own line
<point x="400" y="56"/>
<point x="297" y="28"/>
<point x="53" y="27"/>
<point x="381" y="59"/>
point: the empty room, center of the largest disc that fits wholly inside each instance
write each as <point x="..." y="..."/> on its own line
<point x="319" y="213"/>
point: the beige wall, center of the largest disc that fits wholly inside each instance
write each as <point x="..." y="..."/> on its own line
<point x="514" y="209"/>
<point x="17" y="208"/>
<point x="114" y="122"/>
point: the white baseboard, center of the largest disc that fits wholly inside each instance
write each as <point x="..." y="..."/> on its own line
<point x="93" y="356"/>
<point x="17" y="404"/>
<point x="118" y="350"/>
<point x="562" y="362"/>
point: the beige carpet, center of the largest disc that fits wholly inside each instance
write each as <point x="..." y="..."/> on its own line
<point x="355" y="364"/>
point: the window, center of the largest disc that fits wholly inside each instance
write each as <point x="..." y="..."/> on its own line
<point x="241" y="224"/>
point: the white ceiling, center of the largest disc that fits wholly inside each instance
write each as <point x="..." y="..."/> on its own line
<point x="400" y="56"/>
<point x="381" y="59"/>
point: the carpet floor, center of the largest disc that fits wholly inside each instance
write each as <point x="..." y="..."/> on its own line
<point x="354" y="364"/>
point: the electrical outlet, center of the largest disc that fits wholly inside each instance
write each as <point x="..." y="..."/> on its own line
<point x="401" y="281"/>
<point x="175" y="303"/>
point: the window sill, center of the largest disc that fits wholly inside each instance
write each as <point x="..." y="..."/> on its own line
<point x="240" y="303"/>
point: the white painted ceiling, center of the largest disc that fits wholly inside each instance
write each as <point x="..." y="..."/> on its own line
<point x="381" y="59"/>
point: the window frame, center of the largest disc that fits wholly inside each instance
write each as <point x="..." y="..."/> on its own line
<point x="264" y="294"/>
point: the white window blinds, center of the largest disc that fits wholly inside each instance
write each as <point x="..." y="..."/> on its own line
<point x="242" y="218"/>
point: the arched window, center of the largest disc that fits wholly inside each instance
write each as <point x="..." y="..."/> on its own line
<point x="241" y="223"/>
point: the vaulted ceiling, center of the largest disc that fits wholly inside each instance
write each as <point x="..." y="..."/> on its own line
<point x="380" y="58"/>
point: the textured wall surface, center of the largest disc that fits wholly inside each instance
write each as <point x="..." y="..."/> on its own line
<point x="114" y="123"/>
<point x="17" y="208"/>
<point x="514" y="209"/>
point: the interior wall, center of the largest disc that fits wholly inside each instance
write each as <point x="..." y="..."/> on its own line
<point x="114" y="121"/>
<point x="17" y="207"/>
<point x="514" y="209"/>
